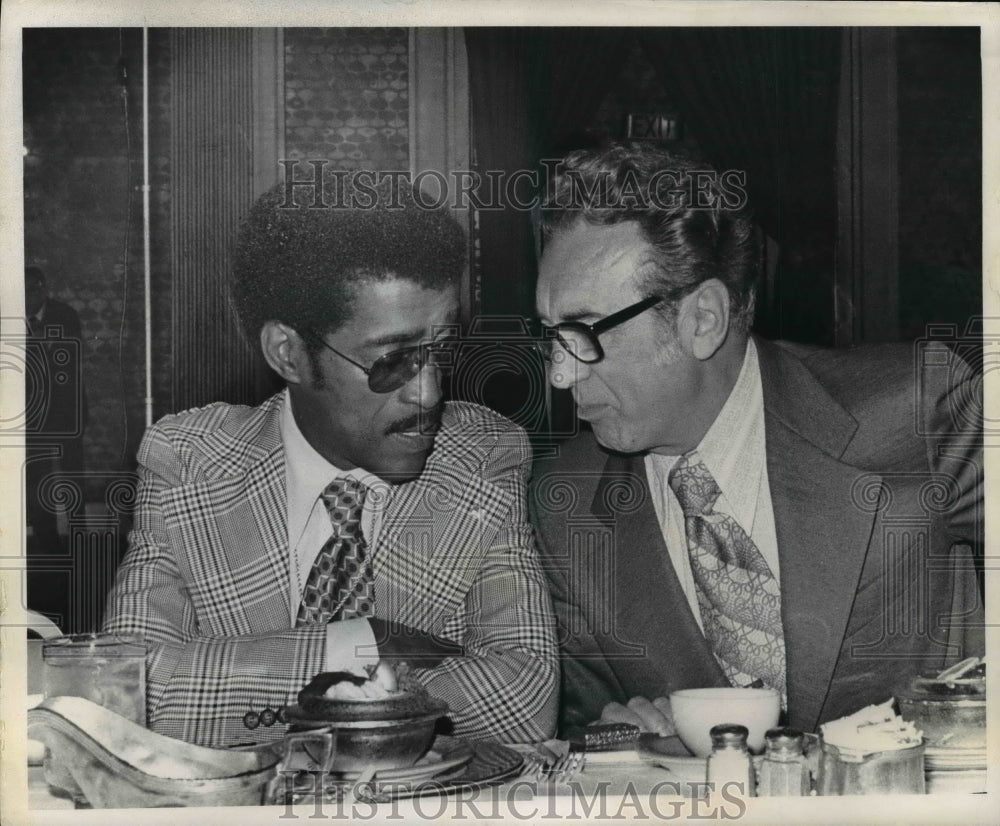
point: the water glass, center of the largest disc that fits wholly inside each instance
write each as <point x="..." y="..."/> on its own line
<point x="107" y="669"/>
<point x="885" y="772"/>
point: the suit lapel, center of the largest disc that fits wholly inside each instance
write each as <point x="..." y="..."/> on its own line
<point x="267" y="586"/>
<point x="650" y="608"/>
<point x="823" y="532"/>
<point x="234" y="527"/>
<point x="431" y="543"/>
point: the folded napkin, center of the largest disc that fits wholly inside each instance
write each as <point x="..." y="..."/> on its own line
<point x="873" y="729"/>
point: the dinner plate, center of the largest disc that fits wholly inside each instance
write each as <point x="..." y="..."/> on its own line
<point x="959" y="781"/>
<point x="443" y="758"/>
<point x="937" y="758"/>
<point x="488" y="764"/>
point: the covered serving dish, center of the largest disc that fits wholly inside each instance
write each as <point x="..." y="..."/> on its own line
<point x="384" y="732"/>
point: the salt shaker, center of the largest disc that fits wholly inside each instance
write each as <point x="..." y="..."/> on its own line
<point x="783" y="772"/>
<point x="729" y="762"/>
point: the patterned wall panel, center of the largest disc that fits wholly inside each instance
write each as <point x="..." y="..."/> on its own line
<point x="346" y="97"/>
<point x="81" y="169"/>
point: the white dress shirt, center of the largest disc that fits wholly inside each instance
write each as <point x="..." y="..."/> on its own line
<point x="350" y="644"/>
<point x="734" y="451"/>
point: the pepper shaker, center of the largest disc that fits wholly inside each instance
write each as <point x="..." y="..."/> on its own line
<point x="783" y="772"/>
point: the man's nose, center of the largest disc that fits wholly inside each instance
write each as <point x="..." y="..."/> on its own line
<point x="564" y="370"/>
<point x="424" y="389"/>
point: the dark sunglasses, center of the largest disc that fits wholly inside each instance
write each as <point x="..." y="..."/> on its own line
<point x="394" y="369"/>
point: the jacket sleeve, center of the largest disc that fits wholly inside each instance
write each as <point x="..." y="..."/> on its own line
<point x="951" y="419"/>
<point x="505" y="686"/>
<point x="588" y="681"/>
<point x="198" y="687"/>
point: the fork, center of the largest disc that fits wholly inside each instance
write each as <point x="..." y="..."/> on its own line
<point x="563" y="769"/>
<point x="534" y="765"/>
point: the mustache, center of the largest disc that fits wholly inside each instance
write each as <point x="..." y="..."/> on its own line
<point x="427" y="422"/>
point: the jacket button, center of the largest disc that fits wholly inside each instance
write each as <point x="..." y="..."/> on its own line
<point x="267" y="717"/>
<point x="251" y="719"/>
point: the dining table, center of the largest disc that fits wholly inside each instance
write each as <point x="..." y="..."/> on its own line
<point x="614" y="786"/>
<point x="602" y="782"/>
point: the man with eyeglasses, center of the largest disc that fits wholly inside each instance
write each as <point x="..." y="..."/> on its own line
<point x="738" y="511"/>
<point x="353" y="519"/>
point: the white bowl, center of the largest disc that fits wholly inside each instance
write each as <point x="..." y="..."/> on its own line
<point x="697" y="710"/>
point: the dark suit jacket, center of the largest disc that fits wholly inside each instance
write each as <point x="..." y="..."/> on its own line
<point x="874" y="458"/>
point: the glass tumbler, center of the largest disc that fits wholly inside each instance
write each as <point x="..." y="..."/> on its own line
<point x="107" y="669"/>
<point x="884" y="772"/>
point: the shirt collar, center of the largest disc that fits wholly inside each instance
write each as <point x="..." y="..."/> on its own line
<point x="732" y="447"/>
<point x="307" y="473"/>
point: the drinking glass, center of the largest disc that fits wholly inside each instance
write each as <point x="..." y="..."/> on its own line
<point x="107" y="669"/>
<point x="885" y="772"/>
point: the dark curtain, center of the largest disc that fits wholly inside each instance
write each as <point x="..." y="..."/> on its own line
<point x="503" y="139"/>
<point x="755" y="99"/>
<point x="533" y="93"/>
<point x="764" y="100"/>
<point x="577" y="68"/>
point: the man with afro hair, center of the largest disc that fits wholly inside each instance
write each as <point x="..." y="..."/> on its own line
<point x="352" y="520"/>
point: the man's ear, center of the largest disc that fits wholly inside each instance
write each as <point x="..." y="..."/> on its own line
<point x="285" y="352"/>
<point x="704" y="318"/>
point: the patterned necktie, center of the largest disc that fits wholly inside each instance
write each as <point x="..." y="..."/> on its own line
<point x="738" y="595"/>
<point x="339" y="586"/>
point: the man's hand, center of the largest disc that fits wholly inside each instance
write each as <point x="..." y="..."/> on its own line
<point x="652" y="716"/>
<point x="384" y="675"/>
<point x="396" y="641"/>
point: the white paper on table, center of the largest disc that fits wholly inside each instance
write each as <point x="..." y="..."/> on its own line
<point x="872" y="729"/>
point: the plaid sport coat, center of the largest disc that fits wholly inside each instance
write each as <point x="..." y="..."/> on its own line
<point x="206" y="577"/>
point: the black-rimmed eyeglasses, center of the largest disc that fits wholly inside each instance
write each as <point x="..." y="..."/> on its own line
<point x="581" y="340"/>
<point x="394" y="369"/>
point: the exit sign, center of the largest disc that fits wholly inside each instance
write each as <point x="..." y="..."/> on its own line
<point x="654" y="127"/>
